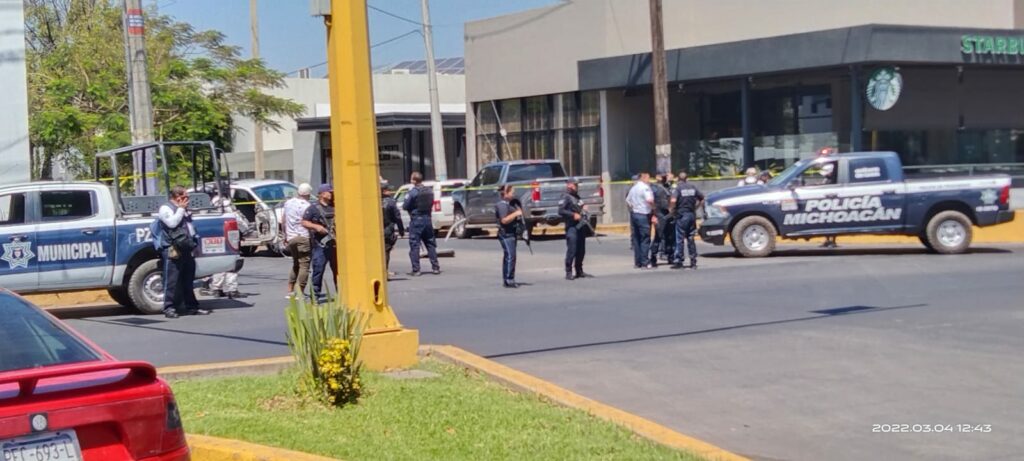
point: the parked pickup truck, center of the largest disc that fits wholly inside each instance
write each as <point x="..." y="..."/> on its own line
<point x="539" y="184"/>
<point x="855" y="193"/>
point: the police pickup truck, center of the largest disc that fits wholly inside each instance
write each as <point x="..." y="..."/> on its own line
<point x="855" y="193"/>
<point x="539" y="185"/>
<point x="65" y="236"/>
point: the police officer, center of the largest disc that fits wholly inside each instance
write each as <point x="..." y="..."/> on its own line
<point x="509" y="214"/>
<point x="659" y="243"/>
<point x="178" y="256"/>
<point x="419" y="202"/>
<point x="685" y="201"/>
<point x="319" y="219"/>
<point x="570" y="208"/>
<point x="393" y="226"/>
<point x="640" y="201"/>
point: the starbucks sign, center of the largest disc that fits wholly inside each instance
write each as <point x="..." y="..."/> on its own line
<point x="884" y="88"/>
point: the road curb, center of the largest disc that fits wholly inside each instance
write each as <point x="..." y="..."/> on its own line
<point x="207" y="448"/>
<point x="238" y="368"/>
<point x="523" y="382"/>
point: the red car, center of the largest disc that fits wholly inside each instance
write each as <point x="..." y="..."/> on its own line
<point x="62" y="398"/>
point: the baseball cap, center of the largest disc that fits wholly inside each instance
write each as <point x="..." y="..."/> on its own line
<point x="305" y="189"/>
<point x="325" y="188"/>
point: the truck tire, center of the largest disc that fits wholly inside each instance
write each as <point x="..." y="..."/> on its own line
<point x="753" y="237"/>
<point x="949" y="232"/>
<point x="460" y="232"/>
<point x="146" y="287"/>
<point x="120" y="295"/>
<point x="248" y="251"/>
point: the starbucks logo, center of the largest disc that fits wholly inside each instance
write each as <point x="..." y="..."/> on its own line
<point x="884" y="88"/>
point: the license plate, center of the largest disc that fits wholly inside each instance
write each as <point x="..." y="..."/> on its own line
<point x="49" y="446"/>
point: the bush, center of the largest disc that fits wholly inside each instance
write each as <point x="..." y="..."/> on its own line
<point x="324" y="339"/>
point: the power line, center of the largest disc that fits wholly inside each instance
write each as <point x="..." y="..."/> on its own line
<point x="385" y="42"/>
<point x="393" y="15"/>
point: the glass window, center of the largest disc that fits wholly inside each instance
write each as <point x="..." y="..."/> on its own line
<point x="66" y="204"/>
<point x="532" y="171"/>
<point x="489" y="176"/>
<point x="486" y="122"/>
<point x="590" y="108"/>
<point x="821" y="174"/>
<point x="570" y="110"/>
<point x="537" y="113"/>
<point x="511" y="115"/>
<point x="33" y="340"/>
<point x="275" y="193"/>
<point x="868" y="170"/>
<point x="12" y="209"/>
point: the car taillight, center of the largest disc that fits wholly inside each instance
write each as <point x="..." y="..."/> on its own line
<point x="437" y="205"/>
<point x="231" y="233"/>
<point x="1004" y="196"/>
<point x="535" y="193"/>
<point x="174" y="433"/>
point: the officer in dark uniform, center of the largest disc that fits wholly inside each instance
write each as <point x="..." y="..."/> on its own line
<point x="419" y="202"/>
<point x="576" y="231"/>
<point x="393" y="227"/>
<point x="685" y="201"/>
<point x="508" y="211"/>
<point x="319" y="219"/>
<point x="660" y="241"/>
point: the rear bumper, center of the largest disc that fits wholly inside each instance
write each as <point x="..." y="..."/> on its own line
<point x="549" y="214"/>
<point x="181" y="454"/>
<point x="209" y="265"/>
<point x="993" y="218"/>
<point x="713" y="231"/>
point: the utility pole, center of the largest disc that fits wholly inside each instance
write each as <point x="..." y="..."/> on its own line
<point x="140" y="104"/>
<point x="436" y="127"/>
<point x="257" y="128"/>
<point x="662" y="139"/>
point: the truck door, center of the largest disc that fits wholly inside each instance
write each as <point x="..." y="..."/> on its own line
<point x="814" y="193"/>
<point x="482" y="195"/>
<point x="880" y="200"/>
<point x="19" y="267"/>
<point x="76" y="245"/>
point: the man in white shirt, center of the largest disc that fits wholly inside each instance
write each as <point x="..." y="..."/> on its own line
<point x="297" y="238"/>
<point x="640" y="201"/>
<point x="179" y="274"/>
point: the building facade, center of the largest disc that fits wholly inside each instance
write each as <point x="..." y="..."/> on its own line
<point x="301" y="150"/>
<point x="750" y="84"/>
<point x="14" y="144"/>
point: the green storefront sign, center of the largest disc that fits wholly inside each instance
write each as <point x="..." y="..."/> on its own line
<point x="991" y="44"/>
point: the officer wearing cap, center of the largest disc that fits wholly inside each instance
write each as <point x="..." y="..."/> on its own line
<point x="660" y="240"/>
<point x="319" y="219"/>
<point x="393" y="226"/>
<point x="570" y="208"/>
<point x="508" y="213"/>
<point x="686" y="199"/>
<point x="419" y="202"/>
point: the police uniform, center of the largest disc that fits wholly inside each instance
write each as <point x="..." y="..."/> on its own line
<point x="575" y="235"/>
<point x="419" y="202"/>
<point x="324" y="247"/>
<point x="507" y="239"/>
<point x="686" y="197"/>
<point x="393" y="227"/>
<point x="179" y="261"/>
<point x="659" y="244"/>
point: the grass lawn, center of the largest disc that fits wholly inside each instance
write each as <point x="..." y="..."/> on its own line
<point x="457" y="416"/>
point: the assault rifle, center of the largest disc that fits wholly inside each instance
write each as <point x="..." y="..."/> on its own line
<point x="522" y="229"/>
<point x="585" y="224"/>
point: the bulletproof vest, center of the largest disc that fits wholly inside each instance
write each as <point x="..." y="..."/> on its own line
<point x="386" y="205"/>
<point x="660" y="196"/>
<point x="686" y="197"/>
<point x="424" y="201"/>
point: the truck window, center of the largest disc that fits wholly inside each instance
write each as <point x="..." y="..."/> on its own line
<point x="61" y="205"/>
<point x="868" y="170"/>
<point x="489" y="176"/>
<point x="823" y="174"/>
<point x="12" y="209"/>
<point x="531" y="171"/>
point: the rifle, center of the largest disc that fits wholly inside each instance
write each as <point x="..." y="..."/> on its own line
<point x="585" y="223"/>
<point x="522" y="229"/>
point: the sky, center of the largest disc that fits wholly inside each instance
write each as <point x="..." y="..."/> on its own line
<point x="291" y="39"/>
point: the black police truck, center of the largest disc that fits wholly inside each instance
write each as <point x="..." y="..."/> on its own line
<point x="855" y="193"/>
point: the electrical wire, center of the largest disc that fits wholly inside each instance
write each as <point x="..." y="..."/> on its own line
<point x="393" y="15"/>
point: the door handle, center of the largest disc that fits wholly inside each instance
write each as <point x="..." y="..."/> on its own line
<point x="15" y="238"/>
<point x="831" y="195"/>
<point x="90" y="231"/>
<point x="888" y="192"/>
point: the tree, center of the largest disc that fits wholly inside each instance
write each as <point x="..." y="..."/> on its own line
<point x="78" y="92"/>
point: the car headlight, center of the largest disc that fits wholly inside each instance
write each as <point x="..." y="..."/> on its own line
<point x="715" y="212"/>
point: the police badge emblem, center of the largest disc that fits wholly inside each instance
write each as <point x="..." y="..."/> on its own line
<point x="989" y="196"/>
<point x="18" y="254"/>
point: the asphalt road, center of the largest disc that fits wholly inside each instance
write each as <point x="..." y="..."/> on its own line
<point x="796" y="356"/>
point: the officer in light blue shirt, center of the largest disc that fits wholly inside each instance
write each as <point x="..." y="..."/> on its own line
<point x="641" y="205"/>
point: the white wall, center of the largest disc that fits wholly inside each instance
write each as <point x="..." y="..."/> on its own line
<point x="535" y="52"/>
<point x="14" y="145"/>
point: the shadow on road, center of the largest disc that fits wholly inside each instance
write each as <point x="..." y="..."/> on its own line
<point x="822" y="314"/>
<point x="860" y="251"/>
<point x="145" y="323"/>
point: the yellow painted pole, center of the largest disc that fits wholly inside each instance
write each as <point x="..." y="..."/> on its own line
<point x="362" y="277"/>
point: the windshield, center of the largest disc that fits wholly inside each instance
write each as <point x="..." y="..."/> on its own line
<point x="32" y="339"/>
<point x="274" y="194"/>
<point x="786" y="175"/>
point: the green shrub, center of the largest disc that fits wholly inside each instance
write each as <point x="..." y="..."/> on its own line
<point x="324" y="339"/>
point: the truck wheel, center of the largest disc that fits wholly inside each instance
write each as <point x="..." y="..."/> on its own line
<point x="120" y="296"/>
<point x="753" y="237"/>
<point x="949" y="232"/>
<point x="146" y="287"/>
<point x="460" y="232"/>
<point x="248" y="251"/>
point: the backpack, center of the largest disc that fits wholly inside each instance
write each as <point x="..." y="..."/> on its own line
<point x="156" y="229"/>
